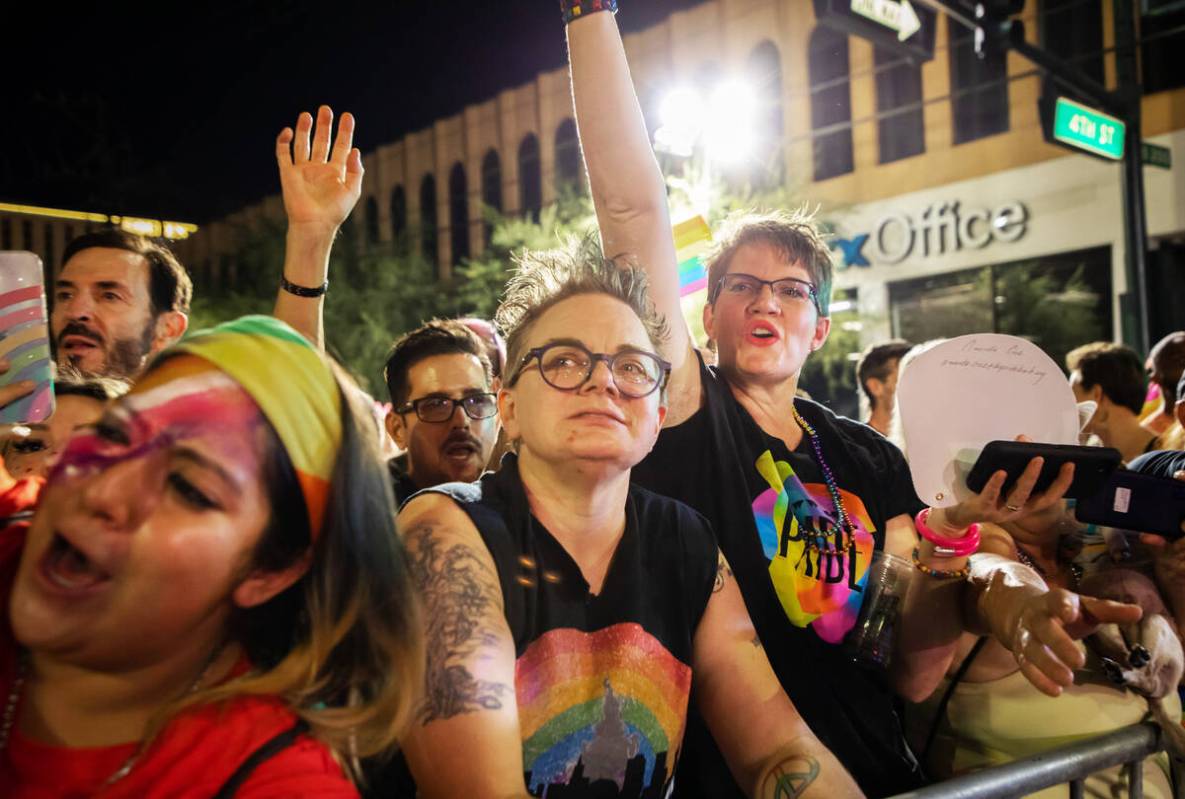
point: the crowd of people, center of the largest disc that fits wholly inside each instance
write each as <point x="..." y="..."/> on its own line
<point x="603" y="563"/>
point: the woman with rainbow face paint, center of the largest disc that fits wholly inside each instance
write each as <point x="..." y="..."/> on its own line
<point x="568" y="612"/>
<point x="197" y="603"/>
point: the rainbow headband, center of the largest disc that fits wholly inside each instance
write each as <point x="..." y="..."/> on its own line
<point x="293" y="386"/>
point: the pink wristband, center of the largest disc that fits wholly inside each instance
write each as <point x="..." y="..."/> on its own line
<point x="945" y="547"/>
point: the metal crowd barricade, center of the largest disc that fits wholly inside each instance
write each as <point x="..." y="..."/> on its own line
<point x="1069" y="764"/>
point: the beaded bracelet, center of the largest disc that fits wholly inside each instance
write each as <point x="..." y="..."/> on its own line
<point x="574" y="9"/>
<point x="939" y="574"/>
<point x="945" y="547"/>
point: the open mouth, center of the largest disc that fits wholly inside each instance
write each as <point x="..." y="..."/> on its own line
<point x="78" y="344"/>
<point x="762" y="335"/>
<point x="461" y="450"/>
<point x="69" y="570"/>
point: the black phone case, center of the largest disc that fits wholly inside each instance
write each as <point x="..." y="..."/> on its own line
<point x="1092" y="466"/>
<point x="1138" y="502"/>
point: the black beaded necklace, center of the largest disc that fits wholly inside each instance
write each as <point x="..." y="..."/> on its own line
<point x="846" y="541"/>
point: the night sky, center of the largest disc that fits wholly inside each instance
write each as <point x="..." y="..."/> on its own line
<point x="136" y="109"/>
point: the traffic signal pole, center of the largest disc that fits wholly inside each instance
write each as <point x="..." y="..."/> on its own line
<point x="994" y="27"/>
<point x="1135" y="219"/>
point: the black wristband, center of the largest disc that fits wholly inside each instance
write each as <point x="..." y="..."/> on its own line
<point x="575" y="9"/>
<point x="303" y="291"/>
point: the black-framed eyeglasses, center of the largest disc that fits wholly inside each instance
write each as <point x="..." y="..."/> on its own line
<point x="789" y="291"/>
<point x="441" y="409"/>
<point x="567" y="367"/>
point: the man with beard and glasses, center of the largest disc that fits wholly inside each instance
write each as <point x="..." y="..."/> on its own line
<point x="118" y="299"/>
<point x="443" y="409"/>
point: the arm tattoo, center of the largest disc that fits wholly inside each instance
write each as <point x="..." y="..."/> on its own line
<point x="460" y="593"/>
<point x="723" y="572"/>
<point x="790" y="778"/>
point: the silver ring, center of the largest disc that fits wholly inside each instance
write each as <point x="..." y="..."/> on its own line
<point x="1013" y="508"/>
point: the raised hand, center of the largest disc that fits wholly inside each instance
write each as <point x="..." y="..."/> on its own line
<point x="320" y="184"/>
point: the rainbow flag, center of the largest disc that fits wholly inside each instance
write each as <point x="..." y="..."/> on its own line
<point x="693" y="237"/>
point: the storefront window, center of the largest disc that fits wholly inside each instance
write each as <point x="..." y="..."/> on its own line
<point x="1058" y="302"/>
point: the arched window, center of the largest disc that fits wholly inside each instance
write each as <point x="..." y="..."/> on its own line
<point x="978" y="86"/>
<point x="458" y="212"/>
<point x="1073" y="31"/>
<point x="901" y="130"/>
<point x="1162" y="35"/>
<point x="765" y="75"/>
<point x="530" y="178"/>
<point x="428" y="219"/>
<point x="372" y="220"/>
<point x="491" y="190"/>
<point x="399" y="218"/>
<point x="567" y="156"/>
<point x="831" y="103"/>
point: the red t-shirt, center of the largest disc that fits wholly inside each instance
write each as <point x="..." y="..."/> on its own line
<point x="190" y="759"/>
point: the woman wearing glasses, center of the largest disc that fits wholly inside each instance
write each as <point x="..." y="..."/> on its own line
<point x="568" y="613"/>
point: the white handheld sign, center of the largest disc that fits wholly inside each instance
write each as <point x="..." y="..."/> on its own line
<point x="963" y="393"/>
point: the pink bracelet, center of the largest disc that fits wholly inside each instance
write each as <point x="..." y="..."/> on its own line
<point x="945" y="547"/>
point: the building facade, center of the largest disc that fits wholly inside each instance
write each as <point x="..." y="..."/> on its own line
<point x="942" y="167"/>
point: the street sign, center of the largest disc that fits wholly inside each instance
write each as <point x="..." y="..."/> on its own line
<point x="901" y="26"/>
<point x="1083" y="128"/>
<point x="898" y="17"/>
<point x="1155" y="155"/>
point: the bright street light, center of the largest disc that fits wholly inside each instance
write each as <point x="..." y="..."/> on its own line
<point x="731" y="117"/>
<point x="724" y="122"/>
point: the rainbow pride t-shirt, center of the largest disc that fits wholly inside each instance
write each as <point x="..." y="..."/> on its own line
<point x="602" y="680"/>
<point x="767" y="505"/>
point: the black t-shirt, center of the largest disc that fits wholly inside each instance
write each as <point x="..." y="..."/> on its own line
<point x="1162" y="463"/>
<point x="764" y="502"/>
<point x="602" y="680"/>
<point x="401" y="483"/>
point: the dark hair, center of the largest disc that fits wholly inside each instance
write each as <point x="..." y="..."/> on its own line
<point x="877" y="362"/>
<point x="169" y="285"/>
<point x="437" y="337"/>
<point x="1168" y="365"/>
<point x="1115" y="369"/>
<point x="68" y="381"/>
<point x="343" y="646"/>
<point x="547" y="277"/>
<point x="793" y="234"/>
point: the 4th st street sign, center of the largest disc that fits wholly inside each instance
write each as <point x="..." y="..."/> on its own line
<point x="895" y="25"/>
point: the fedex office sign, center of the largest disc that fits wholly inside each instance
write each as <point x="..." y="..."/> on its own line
<point x="941" y="228"/>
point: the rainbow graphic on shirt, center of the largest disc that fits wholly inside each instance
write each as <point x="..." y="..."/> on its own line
<point x="603" y="708"/>
<point x="823" y="591"/>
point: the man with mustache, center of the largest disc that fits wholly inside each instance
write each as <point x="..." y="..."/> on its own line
<point x="444" y="412"/>
<point x="118" y="299"/>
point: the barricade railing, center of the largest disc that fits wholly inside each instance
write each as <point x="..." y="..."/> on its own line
<point x="1070" y="764"/>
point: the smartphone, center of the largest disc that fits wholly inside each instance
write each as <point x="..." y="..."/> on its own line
<point x="24" y="337"/>
<point x="1140" y="502"/>
<point x="1092" y="466"/>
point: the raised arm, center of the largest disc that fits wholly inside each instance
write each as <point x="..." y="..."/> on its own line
<point x="320" y="186"/>
<point x="769" y="748"/>
<point x="465" y="740"/>
<point x="628" y="189"/>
